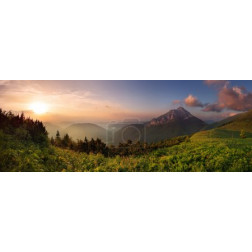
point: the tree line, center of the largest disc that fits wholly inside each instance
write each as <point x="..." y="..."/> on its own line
<point x="23" y="128"/>
<point x="93" y="146"/>
<point x="96" y="146"/>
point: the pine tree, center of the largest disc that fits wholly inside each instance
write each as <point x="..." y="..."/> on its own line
<point x="52" y="141"/>
<point x="57" y="135"/>
<point x="66" y="141"/>
<point x="58" y="139"/>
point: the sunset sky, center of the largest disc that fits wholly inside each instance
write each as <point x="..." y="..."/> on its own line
<point x="97" y="101"/>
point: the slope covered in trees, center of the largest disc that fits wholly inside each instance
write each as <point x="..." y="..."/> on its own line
<point x="23" y="129"/>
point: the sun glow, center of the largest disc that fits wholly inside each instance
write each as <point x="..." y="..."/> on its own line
<point x="39" y="108"/>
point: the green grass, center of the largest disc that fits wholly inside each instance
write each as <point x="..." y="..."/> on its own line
<point x="212" y="155"/>
<point x="219" y="133"/>
<point x="243" y="121"/>
<point x="201" y="154"/>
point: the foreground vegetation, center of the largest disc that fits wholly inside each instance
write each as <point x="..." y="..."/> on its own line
<point x="24" y="147"/>
<point x="197" y="156"/>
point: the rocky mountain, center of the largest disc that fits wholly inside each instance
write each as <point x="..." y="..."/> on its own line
<point x="179" y="114"/>
<point x="175" y="123"/>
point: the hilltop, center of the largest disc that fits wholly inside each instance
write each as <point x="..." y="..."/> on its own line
<point x="230" y="128"/>
<point x="240" y="122"/>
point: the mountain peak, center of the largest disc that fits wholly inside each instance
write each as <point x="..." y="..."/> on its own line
<point x="179" y="114"/>
<point x="181" y="108"/>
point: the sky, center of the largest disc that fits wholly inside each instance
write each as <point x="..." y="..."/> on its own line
<point x="103" y="101"/>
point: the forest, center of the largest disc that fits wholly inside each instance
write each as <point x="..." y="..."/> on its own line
<point x="25" y="147"/>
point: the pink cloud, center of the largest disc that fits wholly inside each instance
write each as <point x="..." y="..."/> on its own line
<point x="192" y="101"/>
<point x="233" y="98"/>
<point x="215" y="107"/>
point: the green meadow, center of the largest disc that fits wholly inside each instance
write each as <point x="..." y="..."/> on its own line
<point x="25" y="147"/>
<point x="200" y="153"/>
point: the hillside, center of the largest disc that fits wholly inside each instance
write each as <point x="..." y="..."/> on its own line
<point x="52" y="128"/>
<point x="221" y="123"/>
<point x="241" y="122"/>
<point x="229" y="128"/>
<point x="175" y="123"/>
<point x="89" y="130"/>
<point x="195" y="156"/>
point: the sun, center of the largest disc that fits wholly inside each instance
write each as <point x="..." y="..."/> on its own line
<point x="39" y="108"/>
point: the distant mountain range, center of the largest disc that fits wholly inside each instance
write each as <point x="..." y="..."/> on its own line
<point x="52" y="128"/>
<point x="176" y="122"/>
<point x="89" y="130"/>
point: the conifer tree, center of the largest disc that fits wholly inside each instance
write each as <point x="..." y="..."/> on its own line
<point x="58" y="139"/>
<point x="66" y="141"/>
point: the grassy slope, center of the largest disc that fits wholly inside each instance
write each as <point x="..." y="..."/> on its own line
<point x="201" y="154"/>
<point x="221" y="123"/>
<point x="235" y="123"/>
<point x="244" y="121"/>
<point x="197" y="155"/>
<point x="219" y="149"/>
<point x="219" y="133"/>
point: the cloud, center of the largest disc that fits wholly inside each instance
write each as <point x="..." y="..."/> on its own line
<point x="192" y="101"/>
<point x="233" y="98"/>
<point x="213" y="108"/>
<point x="217" y="83"/>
